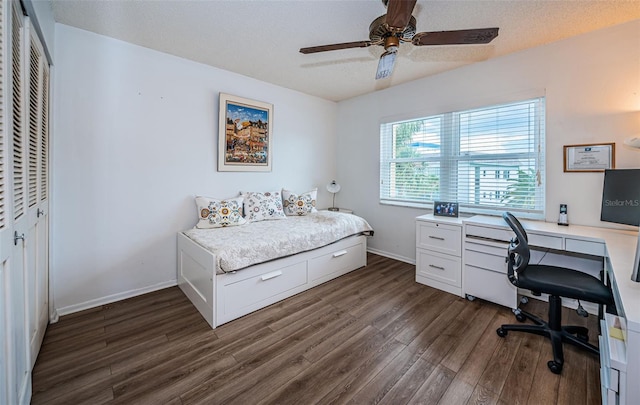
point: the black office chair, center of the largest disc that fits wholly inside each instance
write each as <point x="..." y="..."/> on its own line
<point x="557" y="282"/>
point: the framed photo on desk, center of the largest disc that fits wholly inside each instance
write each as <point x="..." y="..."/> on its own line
<point x="445" y="209"/>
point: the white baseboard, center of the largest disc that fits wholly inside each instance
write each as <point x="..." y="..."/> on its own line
<point x="391" y="255"/>
<point x="53" y="316"/>
<point x="58" y="312"/>
<point x="113" y="298"/>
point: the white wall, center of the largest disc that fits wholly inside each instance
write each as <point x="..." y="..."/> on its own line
<point x="135" y="138"/>
<point x="592" y="85"/>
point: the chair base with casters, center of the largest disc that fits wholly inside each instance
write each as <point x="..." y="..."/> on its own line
<point x="557" y="282"/>
<point x="558" y="334"/>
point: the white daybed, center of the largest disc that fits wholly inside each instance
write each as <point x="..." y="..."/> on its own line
<point x="232" y="271"/>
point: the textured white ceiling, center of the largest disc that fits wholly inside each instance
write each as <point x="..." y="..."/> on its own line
<point x="261" y="38"/>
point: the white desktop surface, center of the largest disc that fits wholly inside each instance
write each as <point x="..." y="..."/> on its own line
<point x="621" y="249"/>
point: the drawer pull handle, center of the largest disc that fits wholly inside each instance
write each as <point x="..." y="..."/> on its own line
<point x="436" y="237"/>
<point x="436" y="267"/>
<point x="274" y="274"/>
<point x="340" y="253"/>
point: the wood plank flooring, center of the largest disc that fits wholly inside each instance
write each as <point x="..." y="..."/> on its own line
<point x="371" y="336"/>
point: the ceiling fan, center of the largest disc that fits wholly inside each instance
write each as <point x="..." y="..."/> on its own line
<point x="397" y="26"/>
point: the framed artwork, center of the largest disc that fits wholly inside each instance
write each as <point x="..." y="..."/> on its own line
<point x="589" y="158"/>
<point x="244" y="136"/>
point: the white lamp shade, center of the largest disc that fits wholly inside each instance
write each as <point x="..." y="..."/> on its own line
<point x="333" y="187"/>
<point x="634" y="142"/>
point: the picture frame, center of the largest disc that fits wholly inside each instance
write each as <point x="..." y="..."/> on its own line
<point x="244" y="135"/>
<point x="589" y="157"/>
<point x="445" y="209"/>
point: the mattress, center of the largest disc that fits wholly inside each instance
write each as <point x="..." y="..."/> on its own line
<point x="238" y="247"/>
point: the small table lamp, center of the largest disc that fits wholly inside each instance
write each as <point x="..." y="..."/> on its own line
<point x="333" y="188"/>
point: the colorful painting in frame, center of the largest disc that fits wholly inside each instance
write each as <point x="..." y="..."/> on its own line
<point x="244" y="137"/>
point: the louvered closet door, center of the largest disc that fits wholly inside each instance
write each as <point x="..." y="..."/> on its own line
<point x="36" y="236"/>
<point x="6" y="350"/>
<point x="16" y="355"/>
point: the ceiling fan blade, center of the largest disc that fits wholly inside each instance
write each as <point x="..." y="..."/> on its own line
<point x="459" y="37"/>
<point x="335" y="47"/>
<point x="399" y="13"/>
<point x="385" y="65"/>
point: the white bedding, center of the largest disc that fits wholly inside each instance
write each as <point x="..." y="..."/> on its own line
<point x="237" y="247"/>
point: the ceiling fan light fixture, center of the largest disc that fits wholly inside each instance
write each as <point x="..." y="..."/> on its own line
<point x="385" y="64"/>
<point x="398" y="25"/>
<point x="391" y="43"/>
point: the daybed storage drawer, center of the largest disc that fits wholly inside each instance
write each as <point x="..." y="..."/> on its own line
<point x="336" y="261"/>
<point x="250" y="291"/>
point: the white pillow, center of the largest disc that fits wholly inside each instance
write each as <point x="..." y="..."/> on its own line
<point x="263" y="206"/>
<point x="299" y="204"/>
<point x="213" y="213"/>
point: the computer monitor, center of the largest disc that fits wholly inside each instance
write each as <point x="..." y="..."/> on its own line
<point x="621" y="196"/>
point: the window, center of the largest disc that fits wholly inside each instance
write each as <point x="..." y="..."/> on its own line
<point x="488" y="159"/>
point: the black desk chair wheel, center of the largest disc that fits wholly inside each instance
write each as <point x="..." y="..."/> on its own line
<point x="557" y="282"/>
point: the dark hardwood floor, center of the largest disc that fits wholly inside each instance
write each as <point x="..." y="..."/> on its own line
<point x="371" y="336"/>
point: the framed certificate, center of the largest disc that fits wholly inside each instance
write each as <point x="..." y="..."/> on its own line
<point x="589" y="158"/>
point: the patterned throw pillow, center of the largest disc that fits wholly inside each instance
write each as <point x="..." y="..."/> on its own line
<point x="299" y="204"/>
<point x="263" y="206"/>
<point x="214" y="213"/>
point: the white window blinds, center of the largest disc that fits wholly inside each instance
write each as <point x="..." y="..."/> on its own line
<point x="487" y="159"/>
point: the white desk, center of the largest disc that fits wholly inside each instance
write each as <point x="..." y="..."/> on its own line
<point x="620" y="362"/>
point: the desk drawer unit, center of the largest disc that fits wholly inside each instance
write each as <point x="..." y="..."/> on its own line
<point x="442" y="238"/>
<point x="439" y="253"/>
<point x="486" y="232"/>
<point x="505" y="235"/>
<point x="585" y="246"/>
<point x="491" y="286"/>
<point x="485" y="272"/>
<point x="545" y="241"/>
<point x="438" y="267"/>
<point x="490" y="257"/>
